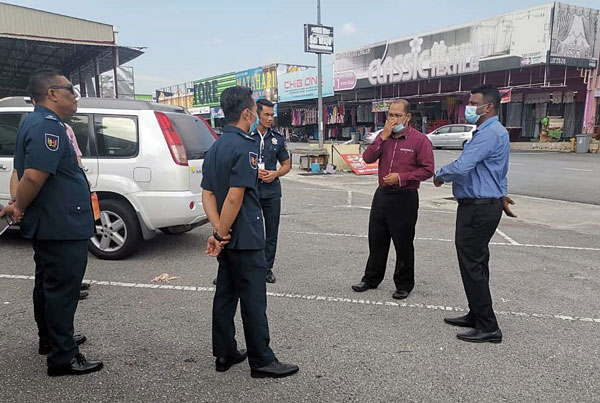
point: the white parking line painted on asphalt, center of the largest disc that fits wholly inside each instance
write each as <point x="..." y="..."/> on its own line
<point x="509" y="239"/>
<point x="515" y="163"/>
<point x="519" y="245"/>
<point x="323" y="298"/>
<point x="578" y="169"/>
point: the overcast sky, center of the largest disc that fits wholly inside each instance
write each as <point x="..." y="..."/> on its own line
<point x="187" y="40"/>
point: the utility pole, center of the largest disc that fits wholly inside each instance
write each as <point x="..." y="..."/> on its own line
<point x="320" y="79"/>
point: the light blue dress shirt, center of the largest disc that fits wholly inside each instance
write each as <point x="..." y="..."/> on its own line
<point x="480" y="171"/>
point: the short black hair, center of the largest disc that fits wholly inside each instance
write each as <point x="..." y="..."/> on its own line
<point x="234" y="100"/>
<point x="490" y="94"/>
<point x="262" y="103"/>
<point x="40" y="81"/>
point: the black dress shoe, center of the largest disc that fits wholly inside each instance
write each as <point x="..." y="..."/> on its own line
<point x="222" y="364"/>
<point x="83" y="295"/>
<point x="85" y="286"/>
<point x="45" y="347"/>
<point x="78" y="366"/>
<point x="275" y="369"/>
<point x="361" y="287"/>
<point x="461" y="321"/>
<point x="477" y="336"/>
<point x="400" y="294"/>
<point x="270" y="276"/>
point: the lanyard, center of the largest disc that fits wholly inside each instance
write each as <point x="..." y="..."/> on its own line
<point x="262" y="144"/>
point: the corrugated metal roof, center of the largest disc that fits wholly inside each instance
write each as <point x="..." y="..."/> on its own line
<point x="27" y="23"/>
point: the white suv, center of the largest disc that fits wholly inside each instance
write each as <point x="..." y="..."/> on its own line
<point x="144" y="160"/>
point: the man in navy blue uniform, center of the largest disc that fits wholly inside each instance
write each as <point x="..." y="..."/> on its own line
<point x="271" y="150"/>
<point x="480" y="185"/>
<point x="53" y="207"/>
<point x="231" y="203"/>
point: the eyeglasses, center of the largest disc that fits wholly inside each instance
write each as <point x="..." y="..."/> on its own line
<point x="68" y="87"/>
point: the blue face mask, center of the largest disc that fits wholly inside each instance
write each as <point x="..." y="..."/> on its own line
<point x="471" y="115"/>
<point x="255" y="124"/>
<point x="399" y="128"/>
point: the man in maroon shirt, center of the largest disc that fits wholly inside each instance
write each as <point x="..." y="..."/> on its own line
<point x="405" y="160"/>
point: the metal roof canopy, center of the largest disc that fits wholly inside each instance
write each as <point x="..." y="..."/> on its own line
<point x="33" y="39"/>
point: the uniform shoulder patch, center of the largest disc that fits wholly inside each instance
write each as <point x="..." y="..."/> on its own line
<point x="52" y="141"/>
<point x="51" y="117"/>
<point x="253" y="158"/>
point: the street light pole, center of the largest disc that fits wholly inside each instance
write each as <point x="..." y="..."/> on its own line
<point x="320" y="79"/>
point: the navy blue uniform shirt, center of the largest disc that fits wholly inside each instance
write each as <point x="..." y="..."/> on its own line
<point x="232" y="161"/>
<point x="62" y="209"/>
<point x="271" y="149"/>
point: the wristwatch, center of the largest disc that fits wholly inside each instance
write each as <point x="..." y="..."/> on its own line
<point x="217" y="236"/>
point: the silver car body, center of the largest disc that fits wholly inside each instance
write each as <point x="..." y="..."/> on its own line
<point x="452" y="135"/>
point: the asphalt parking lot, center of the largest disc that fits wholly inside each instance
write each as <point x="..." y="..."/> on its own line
<point x="155" y="339"/>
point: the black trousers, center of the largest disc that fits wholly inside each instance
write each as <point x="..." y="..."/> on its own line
<point x="393" y="217"/>
<point x="241" y="277"/>
<point x="475" y="226"/>
<point x="271" y="208"/>
<point x="59" y="270"/>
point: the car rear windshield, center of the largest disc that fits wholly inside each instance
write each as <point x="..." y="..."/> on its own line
<point x="195" y="135"/>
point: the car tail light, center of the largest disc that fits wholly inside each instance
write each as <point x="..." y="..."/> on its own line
<point x="172" y="138"/>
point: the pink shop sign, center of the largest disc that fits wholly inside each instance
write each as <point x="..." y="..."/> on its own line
<point x="344" y="81"/>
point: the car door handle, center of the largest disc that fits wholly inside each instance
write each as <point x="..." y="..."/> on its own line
<point x="3" y="167"/>
<point x="85" y="169"/>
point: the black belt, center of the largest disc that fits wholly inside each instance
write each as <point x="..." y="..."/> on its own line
<point x="469" y="202"/>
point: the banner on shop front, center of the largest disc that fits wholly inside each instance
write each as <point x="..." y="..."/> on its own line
<point x="505" y="95"/>
<point x="359" y="166"/>
<point x="574" y="36"/>
<point x="304" y="85"/>
<point x="512" y="40"/>
<point x="207" y="92"/>
<point x="262" y="80"/>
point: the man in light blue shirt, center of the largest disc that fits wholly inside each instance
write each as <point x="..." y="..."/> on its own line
<point x="479" y="184"/>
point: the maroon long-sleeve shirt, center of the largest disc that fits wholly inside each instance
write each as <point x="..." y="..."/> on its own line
<point x="410" y="156"/>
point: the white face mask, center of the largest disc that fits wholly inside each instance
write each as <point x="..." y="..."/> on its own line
<point x="254" y="125"/>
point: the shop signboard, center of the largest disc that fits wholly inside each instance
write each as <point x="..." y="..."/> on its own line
<point x="262" y="80"/>
<point x="217" y="113"/>
<point x="318" y="39"/>
<point x="205" y="110"/>
<point x="381" y="105"/>
<point x="575" y="36"/>
<point x="304" y="84"/>
<point x="252" y="78"/>
<point x="359" y="166"/>
<point x="207" y="92"/>
<point x="521" y="38"/>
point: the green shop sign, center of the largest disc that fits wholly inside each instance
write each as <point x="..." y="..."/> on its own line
<point x="207" y="92"/>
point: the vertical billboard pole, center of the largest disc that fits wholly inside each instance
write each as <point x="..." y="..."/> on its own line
<point x="320" y="80"/>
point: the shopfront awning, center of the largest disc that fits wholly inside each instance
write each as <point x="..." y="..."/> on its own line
<point x="33" y="39"/>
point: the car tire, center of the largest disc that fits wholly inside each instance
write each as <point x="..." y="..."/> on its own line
<point x="117" y="234"/>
